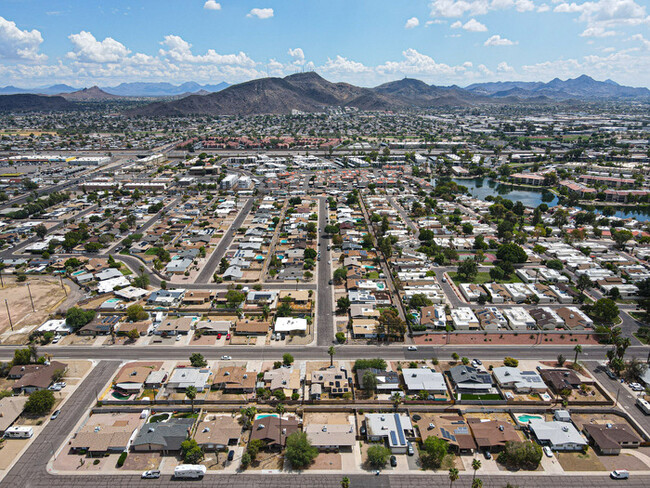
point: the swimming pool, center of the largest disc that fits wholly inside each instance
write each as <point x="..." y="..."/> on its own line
<point x="524" y="419"/>
<point x="264" y="415"/>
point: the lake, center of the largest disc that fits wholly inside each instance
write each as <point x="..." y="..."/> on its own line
<point x="482" y="187"/>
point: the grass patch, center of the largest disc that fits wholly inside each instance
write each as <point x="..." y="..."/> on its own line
<point x="373" y="275"/>
<point x="126" y="271"/>
<point x="474" y="396"/>
<point x="482" y="278"/>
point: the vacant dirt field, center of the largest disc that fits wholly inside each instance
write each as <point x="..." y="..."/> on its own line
<point x="47" y="294"/>
<point x="576" y="461"/>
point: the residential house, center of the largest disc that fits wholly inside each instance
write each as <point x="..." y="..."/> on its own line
<point x="450" y="427"/>
<point x="182" y="378"/>
<point x="274" y="430"/>
<point x="328" y="437"/>
<point x="424" y="379"/>
<point x="387" y="381"/>
<point x="33" y="377"/>
<point x="492" y="435"/>
<point x="520" y="381"/>
<point x="165" y="437"/>
<point x="392" y="427"/>
<point x="611" y="438"/>
<point x="467" y="379"/>
<point x="560" y="436"/>
<point x="217" y="432"/>
<point x="234" y="379"/>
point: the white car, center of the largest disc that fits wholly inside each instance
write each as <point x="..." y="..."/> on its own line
<point x="547" y="451"/>
<point x="178" y="338"/>
<point x="636" y="387"/>
<point x="412" y="348"/>
<point x="226" y="358"/>
<point x="151" y="474"/>
<point x="620" y="474"/>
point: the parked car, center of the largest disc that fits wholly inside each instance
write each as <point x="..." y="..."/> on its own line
<point x="477" y="361"/>
<point x="620" y="474"/>
<point x="226" y="358"/>
<point x="393" y="461"/>
<point x="178" y="338"/>
<point x="409" y="449"/>
<point x="56" y="339"/>
<point x="54" y="387"/>
<point x="227" y="337"/>
<point x="412" y="348"/>
<point x="547" y="450"/>
<point x="151" y="474"/>
<point x="610" y="373"/>
<point x="231" y="455"/>
<point x="487" y="454"/>
<point x="55" y="414"/>
<point x="331" y="282"/>
<point x="218" y="336"/>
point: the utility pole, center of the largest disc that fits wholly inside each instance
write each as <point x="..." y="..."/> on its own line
<point x="9" y="315"/>
<point x="61" y="280"/>
<point x="31" y="299"/>
<point x="2" y="281"/>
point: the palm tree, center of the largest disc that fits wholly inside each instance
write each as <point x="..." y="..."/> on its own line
<point x="476" y="465"/>
<point x="578" y="350"/>
<point x="477" y="483"/>
<point x="265" y="312"/>
<point x="453" y="476"/>
<point x="331" y="351"/>
<point x="190" y="392"/>
<point x="396" y="398"/>
<point x="249" y="413"/>
<point x="33" y="352"/>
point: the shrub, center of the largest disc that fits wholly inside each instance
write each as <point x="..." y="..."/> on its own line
<point x="378" y="455"/>
<point x="39" y="402"/>
<point x="521" y="455"/>
<point x="299" y="451"/>
<point x="511" y="362"/>
<point x="340" y="337"/>
<point x="121" y="459"/>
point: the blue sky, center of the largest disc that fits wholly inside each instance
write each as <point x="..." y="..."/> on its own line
<point x="367" y="42"/>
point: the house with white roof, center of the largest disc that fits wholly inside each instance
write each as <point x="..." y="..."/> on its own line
<point x="520" y="381"/>
<point x="424" y="379"/>
<point x="392" y="427"/>
<point x="559" y="436"/>
<point x="519" y="318"/>
<point x="290" y="324"/>
<point x="463" y="318"/>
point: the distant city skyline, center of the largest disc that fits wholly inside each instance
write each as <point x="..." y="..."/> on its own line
<point x="363" y="42"/>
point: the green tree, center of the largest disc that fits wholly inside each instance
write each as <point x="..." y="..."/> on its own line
<point x="287" y="359"/>
<point x="39" y="402"/>
<point x="310" y="253"/>
<point x="299" y="451"/>
<point x="477" y="483"/>
<point x="434" y="452"/>
<point x="377" y="455"/>
<point x="512" y="253"/>
<point x="22" y="357"/>
<point x="197" y="360"/>
<point x="621" y="237"/>
<point x="345" y="482"/>
<point x="343" y="304"/>
<point x="605" y="309"/>
<point x="369" y="381"/>
<point x="136" y="313"/>
<point x="521" y="455"/>
<point x="191" y="452"/>
<point x="77" y="317"/>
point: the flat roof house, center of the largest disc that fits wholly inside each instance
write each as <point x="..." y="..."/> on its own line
<point x="424" y="379"/>
<point x="393" y="427"/>
<point x="182" y="378"/>
<point x="520" y="381"/>
<point x="331" y="436"/>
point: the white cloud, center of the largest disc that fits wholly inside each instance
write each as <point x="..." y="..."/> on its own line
<point x="597" y="31"/>
<point x="17" y="44"/>
<point x="607" y="12"/>
<point x="473" y="25"/>
<point x="87" y="49"/>
<point x="261" y="13"/>
<point x="412" y="23"/>
<point x="543" y="8"/>
<point x="458" y="8"/>
<point x="504" y="67"/>
<point x="340" y="65"/>
<point x="298" y="56"/>
<point x="212" y="5"/>
<point x="179" y="51"/>
<point x="415" y="63"/>
<point x="644" y="42"/>
<point x="497" y="40"/>
<point x="456" y="25"/>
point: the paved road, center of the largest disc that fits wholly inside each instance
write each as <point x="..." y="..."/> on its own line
<point x="391" y="352"/>
<point x="324" y="318"/>
<point x="205" y="276"/>
<point x="29" y="470"/>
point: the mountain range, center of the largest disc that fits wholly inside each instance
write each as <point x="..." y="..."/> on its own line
<point x="309" y="92"/>
<point x="138" y="89"/>
<point x="27" y="102"/>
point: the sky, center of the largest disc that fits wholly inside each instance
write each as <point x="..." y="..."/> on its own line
<point x="366" y="42"/>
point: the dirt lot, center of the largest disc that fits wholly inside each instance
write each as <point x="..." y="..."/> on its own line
<point x="268" y="460"/>
<point x="336" y="418"/>
<point x="576" y="461"/>
<point x="327" y="460"/>
<point x="623" y="461"/>
<point x="142" y="461"/>
<point x="47" y="295"/>
<point x="9" y="449"/>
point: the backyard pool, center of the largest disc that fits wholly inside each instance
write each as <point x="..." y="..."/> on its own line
<point x="524" y="419"/>
<point x="264" y="415"/>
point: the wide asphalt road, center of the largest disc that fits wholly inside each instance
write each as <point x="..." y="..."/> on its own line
<point x="205" y="276"/>
<point x="350" y="352"/>
<point x="324" y="315"/>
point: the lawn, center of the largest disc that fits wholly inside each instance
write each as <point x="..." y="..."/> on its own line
<point x="482" y="278"/>
<point x="472" y="396"/>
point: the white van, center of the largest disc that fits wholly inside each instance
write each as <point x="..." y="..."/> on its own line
<point x="18" y="432"/>
<point x="189" y="471"/>
<point x="643" y="405"/>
